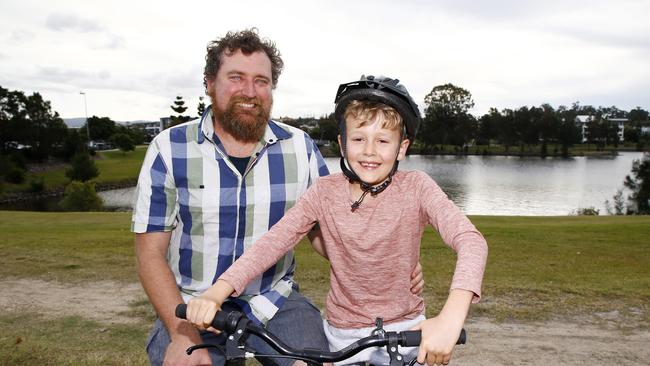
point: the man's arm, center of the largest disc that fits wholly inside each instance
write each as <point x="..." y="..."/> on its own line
<point x="158" y="282"/>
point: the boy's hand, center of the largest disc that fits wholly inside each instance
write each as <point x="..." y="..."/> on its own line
<point x="417" y="280"/>
<point x="439" y="336"/>
<point x="201" y="312"/>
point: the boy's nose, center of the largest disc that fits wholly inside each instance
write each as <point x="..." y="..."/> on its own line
<point x="369" y="148"/>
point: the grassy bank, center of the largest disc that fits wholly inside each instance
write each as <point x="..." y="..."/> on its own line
<point x="114" y="166"/>
<point x="538" y="268"/>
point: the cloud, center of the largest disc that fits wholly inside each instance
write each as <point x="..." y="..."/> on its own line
<point x="69" y="22"/>
<point x="21" y="36"/>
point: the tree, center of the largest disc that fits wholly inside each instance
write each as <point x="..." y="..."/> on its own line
<point x="639" y="184"/>
<point x="30" y="122"/>
<point x="487" y="127"/>
<point x="201" y="107"/>
<point x="123" y="142"/>
<point x="446" y="116"/>
<point x="81" y="196"/>
<point x="180" y="108"/>
<point x="568" y="133"/>
<point x="101" y="128"/>
<point x="327" y="128"/>
<point x="638" y="115"/>
<point x="83" y="167"/>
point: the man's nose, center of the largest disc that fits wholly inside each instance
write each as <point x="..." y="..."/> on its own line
<point x="248" y="89"/>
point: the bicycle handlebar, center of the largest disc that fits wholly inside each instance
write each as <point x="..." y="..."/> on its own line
<point x="230" y="321"/>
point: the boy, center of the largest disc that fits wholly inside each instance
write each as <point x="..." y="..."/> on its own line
<point x="372" y="241"/>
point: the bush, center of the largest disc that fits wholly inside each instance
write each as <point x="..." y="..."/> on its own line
<point x="37" y="185"/>
<point x="81" y="196"/>
<point x="123" y="142"/>
<point x="587" y="211"/>
<point x="83" y="167"/>
<point x="14" y="175"/>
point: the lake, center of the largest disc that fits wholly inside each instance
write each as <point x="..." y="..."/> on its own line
<point x="506" y="185"/>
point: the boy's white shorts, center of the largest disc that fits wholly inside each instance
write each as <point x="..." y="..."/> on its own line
<point x="340" y="338"/>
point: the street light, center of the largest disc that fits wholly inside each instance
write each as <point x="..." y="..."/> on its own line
<point x="86" y="109"/>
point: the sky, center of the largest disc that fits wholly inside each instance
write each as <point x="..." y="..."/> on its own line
<point x="132" y="58"/>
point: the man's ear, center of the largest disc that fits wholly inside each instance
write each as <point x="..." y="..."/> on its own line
<point x="402" y="149"/>
<point x="210" y="86"/>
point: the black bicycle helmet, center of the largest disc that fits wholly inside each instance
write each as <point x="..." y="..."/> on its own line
<point x="379" y="89"/>
<point x="383" y="90"/>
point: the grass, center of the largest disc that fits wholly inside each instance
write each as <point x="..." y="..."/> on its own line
<point x="30" y="339"/>
<point x="539" y="268"/>
<point x="114" y="166"/>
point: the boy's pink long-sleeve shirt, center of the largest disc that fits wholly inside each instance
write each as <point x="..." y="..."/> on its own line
<point x="373" y="250"/>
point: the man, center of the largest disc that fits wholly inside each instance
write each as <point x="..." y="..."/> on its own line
<point x="208" y="189"/>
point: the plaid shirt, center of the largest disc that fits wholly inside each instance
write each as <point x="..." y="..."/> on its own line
<point x="188" y="185"/>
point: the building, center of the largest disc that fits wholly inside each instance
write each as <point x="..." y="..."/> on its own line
<point x="583" y="121"/>
<point x="150" y="128"/>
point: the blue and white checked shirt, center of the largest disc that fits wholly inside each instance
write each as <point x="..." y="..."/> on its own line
<point x="188" y="185"/>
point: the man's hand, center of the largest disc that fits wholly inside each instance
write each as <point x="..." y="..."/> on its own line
<point x="417" y="280"/>
<point x="176" y="355"/>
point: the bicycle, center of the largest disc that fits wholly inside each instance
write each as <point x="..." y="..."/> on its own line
<point x="237" y="328"/>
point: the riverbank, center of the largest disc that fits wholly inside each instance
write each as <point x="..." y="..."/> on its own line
<point x="120" y="170"/>
<point x="556" y="290"/>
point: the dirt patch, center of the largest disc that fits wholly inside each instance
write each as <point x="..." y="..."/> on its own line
<point x="571" y="342"/>
<point x="551" y="343"/>
<point x="104" y="301"/>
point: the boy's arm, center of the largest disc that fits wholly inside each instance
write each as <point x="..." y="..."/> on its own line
<point x="201" y="310"/>
<point x="440" y="334"/>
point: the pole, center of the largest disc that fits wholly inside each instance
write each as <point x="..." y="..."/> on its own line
<point x="87" y="124"/>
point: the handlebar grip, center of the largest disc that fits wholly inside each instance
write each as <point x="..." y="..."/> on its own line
<point x="181" y="311"/>
<point x="412" y="338"/>
<point x="223" y="320"/>
<point x="462" y="339"/>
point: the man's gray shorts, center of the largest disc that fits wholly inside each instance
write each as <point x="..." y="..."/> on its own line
<point x="298" y="323"/>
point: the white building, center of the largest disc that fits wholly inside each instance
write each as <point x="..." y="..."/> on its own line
<point x="583" y="121"/>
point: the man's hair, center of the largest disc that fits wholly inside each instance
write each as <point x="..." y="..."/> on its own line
<point x="363" y="112"/>
<point x="248" y="41"/>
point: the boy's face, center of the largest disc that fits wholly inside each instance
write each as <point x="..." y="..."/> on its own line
<point x="372" y="149"/>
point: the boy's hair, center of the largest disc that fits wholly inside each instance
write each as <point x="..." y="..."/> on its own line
<point x="365" y="111"/>
<point x="248" y="41"/>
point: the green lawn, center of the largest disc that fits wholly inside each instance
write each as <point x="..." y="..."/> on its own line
<point x="538" y="268"/>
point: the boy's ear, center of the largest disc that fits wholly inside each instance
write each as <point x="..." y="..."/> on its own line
<point x="402" y="149"/>
<point x="340" y="146"/>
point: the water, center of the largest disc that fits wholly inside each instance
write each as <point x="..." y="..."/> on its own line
<point x="500" y="185"/>
<point x="528" y="186"/>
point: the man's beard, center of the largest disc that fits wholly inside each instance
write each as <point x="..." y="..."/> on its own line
<point x="243" y="124"/>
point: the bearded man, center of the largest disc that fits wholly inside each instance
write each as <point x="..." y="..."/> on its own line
<point x="208" y="189"/>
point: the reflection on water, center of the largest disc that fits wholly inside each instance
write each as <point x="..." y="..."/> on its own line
<point x="500" y="185"/>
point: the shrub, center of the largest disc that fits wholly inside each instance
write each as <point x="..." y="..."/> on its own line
<point x="81" y="196"/>
<point x="83" y="167"/>
<point x="587" y="211"/>
<point x="37" y="185"/>
<point x="14" y="175"/>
